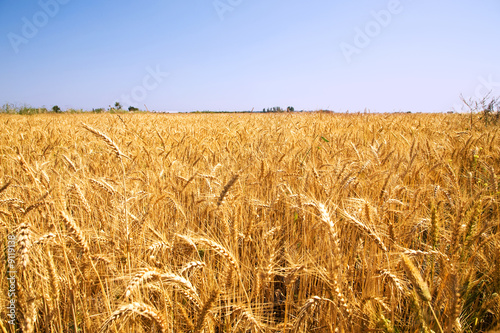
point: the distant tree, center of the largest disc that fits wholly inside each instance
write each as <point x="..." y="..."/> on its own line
<point x="132" y="108"/>
<point x="490" y="113"/>
<point x="56" y="109"/>
<point x="27" y="109"/>
<point x="118" y="106"/>
<point x="8" y="108"/>
<point x="278" y="109"/>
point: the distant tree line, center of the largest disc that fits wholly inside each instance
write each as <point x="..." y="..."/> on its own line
<point x="279" y="109"/>
<point x="22" y="109"/>
<point x="26" y="109"/>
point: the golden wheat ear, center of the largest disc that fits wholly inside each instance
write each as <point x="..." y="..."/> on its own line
<point x="140" y="278"/>
<point x="416" y="279"/>
<point x="75" y="232"/>
<point x="308" y="309"/>
<point x="110" y="143"/>
<point x="226" y="189"/>
<point x="24" y="240"/>
<point x="135" y="311"/>
<point x="200" y="323"/>
<point x="4" y="186"/>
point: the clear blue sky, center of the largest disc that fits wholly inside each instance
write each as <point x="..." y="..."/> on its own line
<point x="244" y="54"/>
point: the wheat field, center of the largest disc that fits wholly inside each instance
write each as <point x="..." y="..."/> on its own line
<point x="249" y="223"/>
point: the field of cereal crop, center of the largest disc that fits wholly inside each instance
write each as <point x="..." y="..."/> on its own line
<point x="249" y="223"/>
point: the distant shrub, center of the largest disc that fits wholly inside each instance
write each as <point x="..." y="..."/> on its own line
<point x="74" y="110"/>
<point x="278" y="109"/>
<point x="488" y="107"/>
<point x="491" y="111"/>
<point x="28" y="110"/>
<point x="8" y="108"/>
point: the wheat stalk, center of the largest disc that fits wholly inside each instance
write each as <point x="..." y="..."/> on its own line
<point x="246" y="315"/>
<point x="220" y="250"/>
<point x="416" y="279"/>
<point x="82" y="198"/>
<point x="191" y="266"/>
<point x="139" y="279"/>
<point x="364" y="228"/>
<point x="135" y="309"/>
<point x="30" y="317"/>
<point x="4" y="186"/>
<point x="110" y="143"/>
<point x="24" y="241"/>
<point x="307" y="310"/>
<point x="200" y="323"/>
<point x="75" y="231"/>
<point x="45" y="239"/>
<point x="103" y="186"/>
<point x="226" y="188"/>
